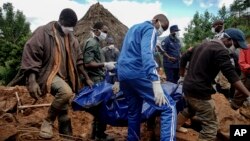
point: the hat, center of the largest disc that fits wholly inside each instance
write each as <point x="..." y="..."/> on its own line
<point x="174" y="28"/>
<point x="68" y="17"/>
<point x="237" y="35"/>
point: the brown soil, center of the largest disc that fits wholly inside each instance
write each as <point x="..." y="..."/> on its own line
<point x="23" y="125"/>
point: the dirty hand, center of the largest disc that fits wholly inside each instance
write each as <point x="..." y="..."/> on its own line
<point x="90" y="83"/>
<point x="172" y="59"/>
<point x="181" y="79"/>
<point x="116" y="87"/>
<point x="109" y="65"/>
<point x="160" y="98"/>
<point x="34" y="90"/>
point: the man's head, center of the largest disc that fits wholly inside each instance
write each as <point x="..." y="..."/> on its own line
<point x="100" y="30"/>
<point x="67" y="20"/>
<point x="161" y="23"/>
<point x="234" y="37"/>
<point x="174" y="30"/>
<point x="217" y="26"/>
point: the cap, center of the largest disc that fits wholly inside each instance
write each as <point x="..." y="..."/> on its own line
<point x="174" y="28"/>
<point x="237" y="35"/>
<point x="68" y="17"/>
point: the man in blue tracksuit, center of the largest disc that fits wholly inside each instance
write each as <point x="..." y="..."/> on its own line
<point x="171" y="55"/>
<point x="139" y="80"/>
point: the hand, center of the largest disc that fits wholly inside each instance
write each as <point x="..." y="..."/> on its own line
<point x="34" y="90"/>
<point x="116" y="87"/>
<point x="172" y="59"/>
<point x="181" y="79"/>
<point x="90" y="83"/>
<point x="160" y="98"/>
<point x="109" y="65"/>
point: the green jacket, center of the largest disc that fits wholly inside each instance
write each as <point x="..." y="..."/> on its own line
<point x="92" y="52"/>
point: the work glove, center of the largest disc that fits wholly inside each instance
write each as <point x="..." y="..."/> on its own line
<point x="109" y="65"/>
<point x="181" y="79"/>
<point x="116" y="87"/>
<point x="160" y="98"/>
<point x="34" y="90"/>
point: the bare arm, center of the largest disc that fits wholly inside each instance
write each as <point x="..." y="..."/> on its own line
<point x="240" y="87"/>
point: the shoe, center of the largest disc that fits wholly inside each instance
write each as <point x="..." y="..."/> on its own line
<point x="104" y="137"/>
<point x="46" y="131"/>
<point x="182" y="130"/>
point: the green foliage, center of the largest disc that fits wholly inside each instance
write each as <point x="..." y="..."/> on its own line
<point x="14" y="32"/>
<point x="200" y="26"/>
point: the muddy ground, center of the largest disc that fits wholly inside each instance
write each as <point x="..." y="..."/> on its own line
<point x="23" y="125"/>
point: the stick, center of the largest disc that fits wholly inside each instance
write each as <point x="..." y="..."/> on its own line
<point x="33" y="106"/>
<point x="18" y="101"/>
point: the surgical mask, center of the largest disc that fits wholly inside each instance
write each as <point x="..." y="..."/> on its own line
<point x="213" y="30"/>
<point x="67" y="30"/>
<point x="102" y="36"/>
<point x="111" y="46"/>
<point x="160" y="30"/>
<point x="177" y="34"/>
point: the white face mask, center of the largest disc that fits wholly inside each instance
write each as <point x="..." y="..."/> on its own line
<point x="160" y="30"/>
<point x="67" y="30"/>
<point x="102" y="36"/>
<point x="177" y="34"/>
<point x="213" y="30"/>
<point x="111" y="46"/>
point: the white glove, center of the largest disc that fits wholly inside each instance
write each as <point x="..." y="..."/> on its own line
<point x="181" y="79"/>
<point x="109" y="65"/>
<point x="116" y="87"/>
<point x="160" y="98"/>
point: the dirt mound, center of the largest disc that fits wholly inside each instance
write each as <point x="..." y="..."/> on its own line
<point x="97" y="13"/>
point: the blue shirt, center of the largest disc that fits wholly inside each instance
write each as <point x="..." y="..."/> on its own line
<point x="136" y="59"/>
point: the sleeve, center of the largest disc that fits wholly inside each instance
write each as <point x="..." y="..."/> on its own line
<point x="185" y="58"/>
<point x="89" y="53"/>
<point x="165" y="43"/>
<point x="79" y="54"/>
<point x="33" y="52"/>
<point x="244" y="66"/>
<point x="148" y="44"/>
<point x="222" y="58"/>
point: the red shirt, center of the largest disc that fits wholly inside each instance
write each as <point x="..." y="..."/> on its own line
<point x="244" y="60"/>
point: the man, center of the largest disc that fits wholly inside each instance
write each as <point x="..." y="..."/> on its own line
<point x="206" y="60"/>
<point x="217" y="28"/>
<point x="111" y="53"/>
<point x="244" y="63"/>
<point x="171" y="54"/>
<point x="51" y="61"/>
<point x="95" y="66"/>
<point x="139" y="80"/>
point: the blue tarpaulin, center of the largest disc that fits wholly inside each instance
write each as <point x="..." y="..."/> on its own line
<point x="114" y="106"/>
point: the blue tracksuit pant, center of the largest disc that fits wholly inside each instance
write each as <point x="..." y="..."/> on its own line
<point x="137" y="90"/>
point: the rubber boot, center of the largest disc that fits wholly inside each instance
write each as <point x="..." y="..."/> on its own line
<point x="46" y="130"/>
<point x="93" y="130"/>
<point x="180" y="121"/>
<point x="64" y="125"/>
<point x="100" y="132"/>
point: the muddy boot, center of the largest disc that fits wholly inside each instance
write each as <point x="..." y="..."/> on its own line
<point x="93" y="130"/>
<point x="64" y="126"/>
<point x="180" y="121"/>
<point x="46" y="130"/>
<point x="100" y="135"/>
